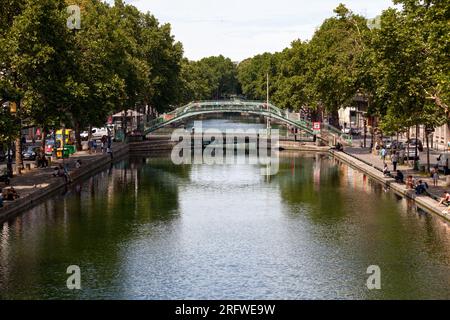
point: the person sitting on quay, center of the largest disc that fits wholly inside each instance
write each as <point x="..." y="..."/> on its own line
<point x="11" y="194"/>
<point x="445" y="199"/>
<point x="421" y="187"/>
<point x="399" y="177"/>
<point x="386" y="171"/>
<point x="410" y="182"/>
<point x="78" y="164"/>
<point x="56" y="172"/>
<point x="61" y="171"/>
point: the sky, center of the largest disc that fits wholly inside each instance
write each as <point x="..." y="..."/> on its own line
<point x="240" y="29"/>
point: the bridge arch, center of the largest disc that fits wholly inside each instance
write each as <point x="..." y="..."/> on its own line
<point x="250" y="107"/>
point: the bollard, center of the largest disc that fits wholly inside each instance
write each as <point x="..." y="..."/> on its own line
<point x="447" y="184"/>
<point x="28" y="166"/>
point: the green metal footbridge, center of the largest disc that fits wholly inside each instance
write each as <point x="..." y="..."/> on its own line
<point x="329" y="134"/>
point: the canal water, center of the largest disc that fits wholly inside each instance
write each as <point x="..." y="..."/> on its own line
<point x="148" y="229"/>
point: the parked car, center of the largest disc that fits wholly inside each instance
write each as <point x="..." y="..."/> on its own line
<point x="4" y="178"/>
<point x="413" y="142"/>
<point x="350" y="131"/>
<point x="346" y="130"/>
<point x="98" y="133"/>
<point x="409" y="153"/>
<point x="387" y="142"/>
<point x="30" y="153"/>
<point x="84" y="135"/>
<point x="394" y="144"/>
<point x="4" y="155"/>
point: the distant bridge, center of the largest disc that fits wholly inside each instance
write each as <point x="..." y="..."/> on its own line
<point x="329" y="134"/>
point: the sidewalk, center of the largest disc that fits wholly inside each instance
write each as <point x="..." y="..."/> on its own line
<point x="376" y="161"/>
<point x="34" y="184"/>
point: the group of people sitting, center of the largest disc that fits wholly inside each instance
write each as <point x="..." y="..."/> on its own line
<point x="9" y="194"/>
<point x="61" y="171"/>
<point x="420" y="186"/>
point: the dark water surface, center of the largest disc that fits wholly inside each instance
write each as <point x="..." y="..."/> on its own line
<point x="147" y="229"/>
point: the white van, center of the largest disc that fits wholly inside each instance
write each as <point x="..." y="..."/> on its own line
<point x="443" y="160"/>
<point x="98" y="133"/>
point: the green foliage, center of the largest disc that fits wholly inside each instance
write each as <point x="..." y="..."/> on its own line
<point x="409" y="66"/>
<point x="121" y="58"/>
<point x="36" y="57"/>
<point x="252" y="74"/>
<point x="209" y="78"/>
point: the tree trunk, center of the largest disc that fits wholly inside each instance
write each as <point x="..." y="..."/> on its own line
<point x="334" y="120"/>
<point x="315" y="115"/>
<point x="428" y="151"/>
<point x="78" y="136"/>
<point x="44" y="137"/>
<point x="9" y="166"/>
<point x="407" y="147"/>
<point x="90" y="133"/>
<point x="19" y="160"/>
<point x="416" y="154"/>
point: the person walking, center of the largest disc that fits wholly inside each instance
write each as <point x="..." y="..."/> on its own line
<point x="103" y="140"/>
<point x="383" y="154"/>
<point x="435" y="177"/>
<point x="90" y="144"/>
<point x="395" y="161"/>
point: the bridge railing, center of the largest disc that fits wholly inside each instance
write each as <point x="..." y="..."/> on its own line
<point x="243" y="106"/>
<point x="337" y="132"/>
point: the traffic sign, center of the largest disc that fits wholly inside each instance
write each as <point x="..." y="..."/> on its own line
<point x="316" y="126"/>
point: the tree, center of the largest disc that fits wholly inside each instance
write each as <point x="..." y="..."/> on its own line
<point x="209" y="78"/>
<point x="410" y="76"/>
<point x="252" y="75"/>
<point x="335" y="53"/>
<point x="36" y="60"/>
<point x="292" y="86"/>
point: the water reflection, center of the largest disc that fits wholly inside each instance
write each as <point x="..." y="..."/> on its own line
<point x="147" y="229"/>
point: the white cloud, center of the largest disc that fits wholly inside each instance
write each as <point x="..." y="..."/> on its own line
<point x="242" y="28"/>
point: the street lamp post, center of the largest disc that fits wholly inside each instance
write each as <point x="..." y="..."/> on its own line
<point x="268" y="107"/>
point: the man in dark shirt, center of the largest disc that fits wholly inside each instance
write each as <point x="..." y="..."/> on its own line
<point x="399" y="177"/>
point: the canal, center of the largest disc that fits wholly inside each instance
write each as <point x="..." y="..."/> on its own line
<point x="148" y="229"/>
